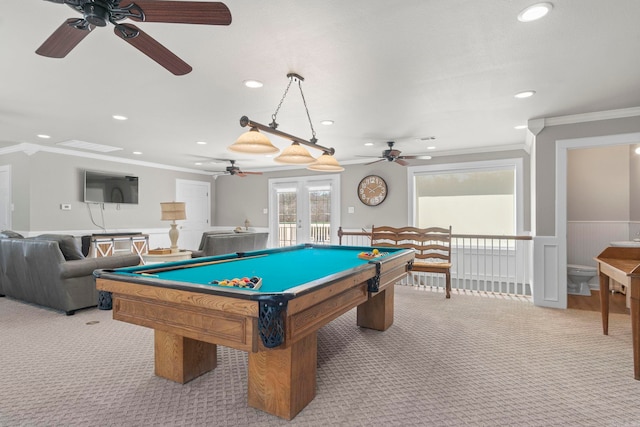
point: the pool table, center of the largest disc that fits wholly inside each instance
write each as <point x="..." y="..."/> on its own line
<point x="302" y="288"/>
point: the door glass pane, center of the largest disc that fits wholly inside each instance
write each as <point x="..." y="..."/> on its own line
<point x="287" y="218"/>
<point x="320" y="215"/>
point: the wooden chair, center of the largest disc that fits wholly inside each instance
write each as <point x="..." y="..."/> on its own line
<point x="432" y="246"/>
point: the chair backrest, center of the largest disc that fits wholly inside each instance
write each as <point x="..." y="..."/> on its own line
<point x="431" y="244"/>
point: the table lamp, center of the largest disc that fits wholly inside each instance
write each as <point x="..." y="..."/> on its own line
<point x="172" y="211"/>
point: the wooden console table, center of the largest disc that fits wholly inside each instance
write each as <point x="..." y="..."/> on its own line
<point x="109" y="244"/>
<point x="622" y="265"/>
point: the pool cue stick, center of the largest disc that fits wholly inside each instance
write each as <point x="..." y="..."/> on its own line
<point x="199" y="264"/>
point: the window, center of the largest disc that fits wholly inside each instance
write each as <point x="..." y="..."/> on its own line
<point x="474" y="198"/>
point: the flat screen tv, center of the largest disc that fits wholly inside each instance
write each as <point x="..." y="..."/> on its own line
<point x="106" y="187"/>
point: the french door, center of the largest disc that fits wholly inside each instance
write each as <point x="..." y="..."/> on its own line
<point x="304" y="210"/>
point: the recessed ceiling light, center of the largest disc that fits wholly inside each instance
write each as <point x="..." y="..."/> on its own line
<point x="201" y="142"/>
<point x="534" y="12"/>
<point x="525" y="94"/>
<point x="118" y="117"/>
<point x="43" y="136"/>
<point x="520" y="127"/>
<point x="198" y="163"/>
<point x="253" y="84"/>
<point x="431" y="148"/>
<point x="137" y="153"/>
<point x="327" y="122"/>
<point x="368" y="144"/>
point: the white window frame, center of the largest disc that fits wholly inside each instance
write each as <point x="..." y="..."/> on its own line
<point x="516" y="163"/>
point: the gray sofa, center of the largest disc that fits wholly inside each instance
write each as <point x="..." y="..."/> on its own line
<point x="51" y="271"/>
<point x="221" y="242"/>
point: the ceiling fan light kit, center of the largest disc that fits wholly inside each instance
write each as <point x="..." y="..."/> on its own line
<point x="98" y="13"/>
<point x="294" y="154"/>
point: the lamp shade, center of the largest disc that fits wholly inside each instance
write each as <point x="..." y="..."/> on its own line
<point x="172" y="211"/>
<point x="253" y="142"/>
<point x="326" y="163"/>
<point x="295" y="154"/>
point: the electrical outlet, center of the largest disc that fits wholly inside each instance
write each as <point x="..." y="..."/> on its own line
<point x="65" y="206"/>
<point x="351" y="209"/>
<point x="265" y="211"/>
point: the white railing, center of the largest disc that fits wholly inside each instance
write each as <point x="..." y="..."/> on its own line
<point x="480" y="263"/>
<point x="287" y="234"/>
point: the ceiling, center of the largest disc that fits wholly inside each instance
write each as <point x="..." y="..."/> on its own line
<point x="401" y="70"/>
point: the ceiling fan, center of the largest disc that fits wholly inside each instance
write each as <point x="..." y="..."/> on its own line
<point x="235" y="170"/>
<point x="97" y="13"/>
<point x="392" y="155"/>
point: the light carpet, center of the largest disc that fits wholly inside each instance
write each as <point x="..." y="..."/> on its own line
<point x="467" y="361"/>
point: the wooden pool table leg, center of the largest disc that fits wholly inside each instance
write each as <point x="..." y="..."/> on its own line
<point x="377" y="312"/>
<point x="282" y="381"/>
<point x="182" y="359"/>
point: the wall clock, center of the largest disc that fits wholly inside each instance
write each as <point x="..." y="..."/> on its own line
<point x="372" y="190"/>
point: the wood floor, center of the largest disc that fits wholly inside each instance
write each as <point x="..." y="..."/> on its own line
<point x="617" y="302"/>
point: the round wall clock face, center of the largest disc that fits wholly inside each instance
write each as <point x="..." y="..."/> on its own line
<point x="372" y="190"/>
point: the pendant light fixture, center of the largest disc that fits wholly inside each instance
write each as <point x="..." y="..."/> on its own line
<point x="326" y="163"/>
<point x="254" y="142"/>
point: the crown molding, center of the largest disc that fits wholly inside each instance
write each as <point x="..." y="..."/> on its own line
<point x="592" y="117"/>
<point x="30" y="149"/>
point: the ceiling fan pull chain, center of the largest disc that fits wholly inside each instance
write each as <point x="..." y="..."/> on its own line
<point x="273" y="124"/>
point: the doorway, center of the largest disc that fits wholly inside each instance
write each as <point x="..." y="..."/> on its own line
<point x="562" y="148"/>
<point x="197" y="198"/>
<point x="304" y="210"/>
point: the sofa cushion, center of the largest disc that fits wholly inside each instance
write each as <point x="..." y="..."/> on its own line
<point x="8" y="234"/>
<point x="69" y="245"/>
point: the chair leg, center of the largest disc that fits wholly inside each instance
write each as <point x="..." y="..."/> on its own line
<point x="448" y="285"/>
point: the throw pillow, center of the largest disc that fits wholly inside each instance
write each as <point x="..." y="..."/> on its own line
<point x="69" y="245"/>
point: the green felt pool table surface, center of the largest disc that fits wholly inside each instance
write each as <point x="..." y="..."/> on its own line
<point x="280" y="269"/>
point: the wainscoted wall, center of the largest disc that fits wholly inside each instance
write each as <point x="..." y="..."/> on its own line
<point x="586" y="239"/>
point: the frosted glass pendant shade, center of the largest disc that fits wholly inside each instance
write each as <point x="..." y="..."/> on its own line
<point x="295" y="154"/>
<point x="326" y="163"/>
<point x="253" y="142"/>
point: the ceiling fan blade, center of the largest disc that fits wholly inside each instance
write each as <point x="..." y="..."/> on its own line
<point x="376" y="161"/>
<point x="251" y="173"/>
<point x="401" y="162"/>
<point x="182" y="12"/>
<point x="423" y="157"/>
<point x="65" y="38"/>
<point x="152" y="48"/>
<point x="393" y="153"/>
